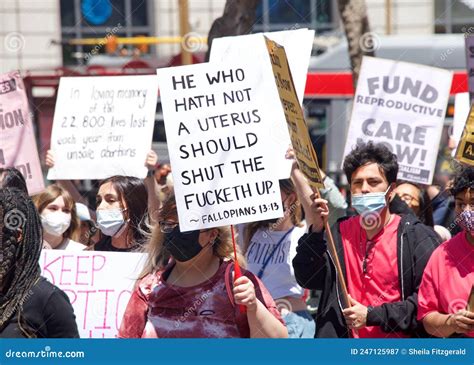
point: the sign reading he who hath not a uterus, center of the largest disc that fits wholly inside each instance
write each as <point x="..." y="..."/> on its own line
<point x="216" y="121"/>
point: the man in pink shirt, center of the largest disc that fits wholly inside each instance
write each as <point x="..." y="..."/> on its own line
<point x="449" y="274"/>
<point x="382" y="255"/>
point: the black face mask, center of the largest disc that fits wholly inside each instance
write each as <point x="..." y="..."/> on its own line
<point x="182" y="246"/>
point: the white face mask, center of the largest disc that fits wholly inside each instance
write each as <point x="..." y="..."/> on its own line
<point x="56" y="223"/>
<point x="110" y="221"/>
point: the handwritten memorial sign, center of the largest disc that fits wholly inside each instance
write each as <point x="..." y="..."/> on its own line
<point x="298" y="44"/>
<point x="217" y="125"/>
<point x="98" y="284"/>
<point x="17" y="137"/>
<point x="401" y="105"/>
<point x="300" y="139"/>
<point x="103" y="126"/>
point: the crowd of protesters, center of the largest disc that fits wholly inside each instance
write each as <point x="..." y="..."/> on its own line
<point x="404" y="254"/>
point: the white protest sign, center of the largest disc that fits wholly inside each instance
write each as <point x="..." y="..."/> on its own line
<point x="98" y="284"/>
<point x="103" y="126"/>
<point x="216" y="122"/>
<point x="461" y="112"/>
<point x="403" y="106"/>
<point x="251" y="48"/>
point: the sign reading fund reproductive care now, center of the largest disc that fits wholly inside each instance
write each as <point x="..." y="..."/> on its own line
<point x="217" y="122"/>
<point x="403" y="106"/>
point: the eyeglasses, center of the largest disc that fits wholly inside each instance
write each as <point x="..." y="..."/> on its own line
<point x="167" y="226"/>
<point x="407" y="198"/>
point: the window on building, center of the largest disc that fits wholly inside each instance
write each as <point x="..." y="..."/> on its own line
<point x="454" y="16"/>
<point x="99" y="19"/>
<point x="273" y="15"/>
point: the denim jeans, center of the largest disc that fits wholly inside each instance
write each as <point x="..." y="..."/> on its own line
<point x="300" y="324"/>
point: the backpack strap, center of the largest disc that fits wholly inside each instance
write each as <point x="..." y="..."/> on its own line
<point x="240" y="318"/>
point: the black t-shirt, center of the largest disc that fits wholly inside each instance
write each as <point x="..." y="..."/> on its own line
<point x="47" y="312"/>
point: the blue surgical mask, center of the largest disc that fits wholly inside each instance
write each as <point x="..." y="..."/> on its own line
<point x="370" y="202"/>
<point x="110" y="221"/>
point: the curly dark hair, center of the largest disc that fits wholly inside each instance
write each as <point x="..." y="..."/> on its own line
<point x="365" y="153"/>
<point x="21" y="242"/>
<point x="463" y="179"/>
<point x="12" y="178"/>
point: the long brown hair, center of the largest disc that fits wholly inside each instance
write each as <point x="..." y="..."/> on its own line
<point x="158" y="256"/>
<point x="294" y="211"/>
<point x="47" y="196"/>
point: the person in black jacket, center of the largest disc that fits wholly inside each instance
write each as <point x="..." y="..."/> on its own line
<point x="382" y="256"/>
<point x="30" y="306"/>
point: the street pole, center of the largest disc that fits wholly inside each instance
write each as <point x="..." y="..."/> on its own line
<point x="186" y="57"/>
<point x="388" y="16"/>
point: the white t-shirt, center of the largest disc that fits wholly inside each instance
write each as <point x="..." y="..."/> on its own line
<point x="70" y="245"/>
<point x="278" y="276"/>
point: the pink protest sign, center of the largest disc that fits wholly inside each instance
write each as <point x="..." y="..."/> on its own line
<point x="98" y="284"/>
<point x="17" y="138"/>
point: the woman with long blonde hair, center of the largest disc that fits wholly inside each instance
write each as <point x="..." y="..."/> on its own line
<point x="61" y="226"/>
<point x="193" y="293"/>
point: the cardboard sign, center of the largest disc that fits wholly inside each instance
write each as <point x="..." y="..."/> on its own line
<point x="98" y="284"/>
<point x="217" y="128"/>
<point x="251" y="48"/>
<point x="103" y="126"/>
<point x="300" y="139"/>
<point x="17" y="137"/>
<point x="403" y="106"/>
<point x="465" y="150"/>
<point x="469" y="39"/>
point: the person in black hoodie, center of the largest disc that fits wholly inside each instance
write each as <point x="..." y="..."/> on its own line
<point x="382" y="256"/>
